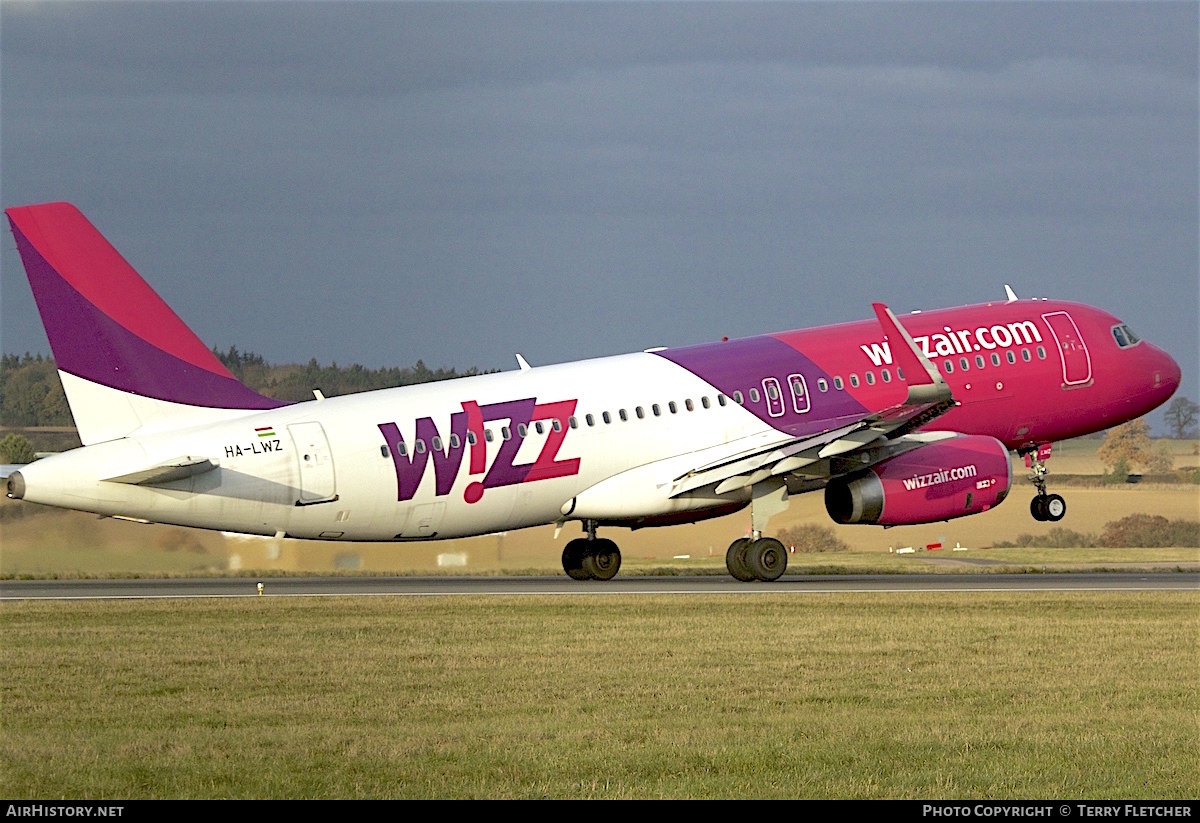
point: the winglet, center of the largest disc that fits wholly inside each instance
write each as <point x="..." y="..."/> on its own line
<point x="1012" y="295"/>
<point x="523" y="363"/>
<point x="925" y="384"/>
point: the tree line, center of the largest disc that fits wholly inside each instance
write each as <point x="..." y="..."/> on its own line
<point x="31" y="395"/>
<point x="295" y="382"/>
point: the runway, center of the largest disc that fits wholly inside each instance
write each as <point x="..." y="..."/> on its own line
<point x="562" y="585"/>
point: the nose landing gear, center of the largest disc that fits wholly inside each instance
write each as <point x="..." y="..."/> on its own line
<point x="1044" y="507"/>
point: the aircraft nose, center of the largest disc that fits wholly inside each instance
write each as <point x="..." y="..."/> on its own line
<point x="1167" y="373"/>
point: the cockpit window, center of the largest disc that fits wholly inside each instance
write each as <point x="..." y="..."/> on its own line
<point x="1125" y="336"/>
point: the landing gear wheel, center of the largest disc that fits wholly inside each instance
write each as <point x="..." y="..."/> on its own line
<point x="1037" y="507"/>
<point x="572" y="559"/>
<point x="766" y="558"/>
<point x="603" y="559"/>
<point x="735" y="560"/>
<point x="1055" y="508"/>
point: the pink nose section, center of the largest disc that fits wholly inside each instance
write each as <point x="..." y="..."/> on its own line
<point x="1167" y="372"/>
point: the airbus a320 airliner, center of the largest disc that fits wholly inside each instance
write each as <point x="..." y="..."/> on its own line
<point x="898" y="422"/>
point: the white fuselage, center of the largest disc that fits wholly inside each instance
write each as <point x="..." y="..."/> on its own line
<point x="349" y="485"/>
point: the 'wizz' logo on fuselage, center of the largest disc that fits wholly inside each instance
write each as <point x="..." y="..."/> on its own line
<point x="467" y="431"/>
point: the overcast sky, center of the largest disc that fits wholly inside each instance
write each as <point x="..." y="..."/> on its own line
<point x="381" y="182"/>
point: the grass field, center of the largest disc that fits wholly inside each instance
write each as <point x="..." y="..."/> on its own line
<point x="902" y="695"/>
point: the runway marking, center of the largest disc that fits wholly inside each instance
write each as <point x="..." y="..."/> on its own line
<point x="803" y="589"/>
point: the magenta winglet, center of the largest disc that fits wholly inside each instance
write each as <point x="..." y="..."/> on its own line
<point x="106" y="324"/>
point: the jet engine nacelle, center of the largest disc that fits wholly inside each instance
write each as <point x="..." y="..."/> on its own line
<point x="961" y="475"/>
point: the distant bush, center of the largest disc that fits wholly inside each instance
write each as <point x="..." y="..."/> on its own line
<point x="1120" y="471"/>
<point x="812" y="539"/>
<point x="1161" y="459"/>
<point x="1056" y="538"/>
<point x="16" y="449"/>
<point x="1151" y="531"/>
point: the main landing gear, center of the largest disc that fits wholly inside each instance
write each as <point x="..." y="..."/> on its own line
<point x="757" y="557"/>
<point x="760" y="558"/>
<point x="591" y="558"/>
<point x="1044" y="507"/>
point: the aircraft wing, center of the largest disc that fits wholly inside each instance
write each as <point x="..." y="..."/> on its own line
<point x="833" y="452"/>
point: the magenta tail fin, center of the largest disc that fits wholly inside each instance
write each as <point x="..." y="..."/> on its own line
<point x="107" y="326"/>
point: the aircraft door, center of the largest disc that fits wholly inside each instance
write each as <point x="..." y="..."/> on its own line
<point x="1076" y="362"/>
<point x="799" y="385"/>
<point x="317" y="481"/>
<point x="774" y="397"/>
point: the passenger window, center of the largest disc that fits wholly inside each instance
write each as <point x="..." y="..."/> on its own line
<point x="506" y="432"/>
<point x="899" y="373"/>
<point x="539" y="428"/>
<point x="854" y="380"/>
<point x="572" y="422"/>
<point x="488" y="436"/>
<point x="383" y="450"/>
<point x="979" y="360"/>
<point x="886" y="375"/>
<point x="621" y="413"/>
<point x="641" y="415"/>
<point x="1041" y="350"/>
<point x="737" y="398"/>
<point x="521" y="430"/>
<point x="720" y="400"/>
<point x="995" y="359"/>
<point x="471" y="438"/>
<point x="688" y="404"/>
<point x="556" y="424"/>
<point x="656" y="410"/>
<point x="454" y="441"/>
<point x="963" y="363"/>
<point x="1011" y="356"/>
<point x="799" y="393"/>
<point x="1025" y="355"/>
<point x="420" y="446"/>
<point x="402" y="449"/>
<point x="606" y="417"/>
<point x="822" y="384"/>
<point x="948" y="367"/>
<point x="437" y="444"/>
<point x="704" y="402"/>
<point x="672" y="407"/>
<point x="837" y="383"/>
<point x="870" y="378"/>
<point x="754" y="395"/>
<point x="591" y="421"/>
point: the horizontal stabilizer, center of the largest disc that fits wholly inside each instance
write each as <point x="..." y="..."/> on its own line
<point x="169" y="471"/>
